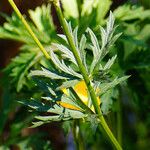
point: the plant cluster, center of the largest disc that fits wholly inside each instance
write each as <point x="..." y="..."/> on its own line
<point x="73" y="76"/>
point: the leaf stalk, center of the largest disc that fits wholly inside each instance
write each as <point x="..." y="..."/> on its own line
<point x="85" y="76"/>
<point x="78" y="135"/>
<point x="43" y="50"/>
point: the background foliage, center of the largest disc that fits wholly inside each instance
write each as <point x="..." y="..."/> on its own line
<point x="131" y="99"/>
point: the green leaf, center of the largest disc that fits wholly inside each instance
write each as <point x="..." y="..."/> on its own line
<point x="42" y="19"/>
<point x="102" y="9"/>
<point x="95" y="44"/>
<point x="19" y="67"/>
<point x="42" y="26"/>
<point x="70" y="9"/>
<point x="62" y="66"/>
<point x="66" y="52"/>
<point x="67" y="84"/>
<point x="14" y="30"/>
<point x="37" y="124"/>
<point x="107" y="86"/>
<point x="46" y="73"/>
<point x="95" y="49"/>
<point x="37" y="105"/>
<point x="82" y="47"/>
<point x="88" y="6"/>
<point x="106" y="101"/>
<point x="127" y="12"/>
<point x="109" y="63"/>
<point x="49" y="118"/>
<point x="75" y="37"/>
<point x="107" y="41"/>
<point x="107" y="36"/>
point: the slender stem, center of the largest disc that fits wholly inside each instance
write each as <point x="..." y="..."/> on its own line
<point x="110" y="134"/>
<point x="29" y="29"/>
<point x="85" y="75"/>
<point x="74" y="51"/>
<point x="78" y="138"/>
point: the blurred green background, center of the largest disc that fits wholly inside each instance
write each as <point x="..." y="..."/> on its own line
<point x="133" y="50"/>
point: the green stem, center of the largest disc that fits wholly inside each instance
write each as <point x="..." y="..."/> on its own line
<point x="29" y="29"/>
<point x="85" y="75"/>
<point x="74" y="51"/>
<point x="78" y="138"/>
